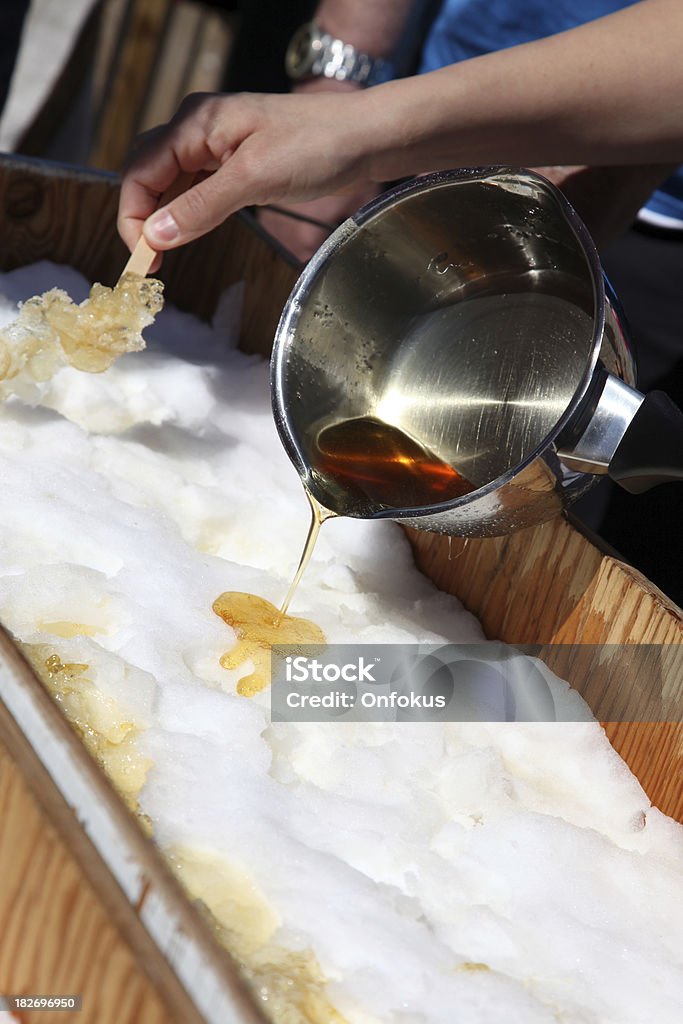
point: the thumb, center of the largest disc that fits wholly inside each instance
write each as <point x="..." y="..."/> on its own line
<point x="193" y="213"/>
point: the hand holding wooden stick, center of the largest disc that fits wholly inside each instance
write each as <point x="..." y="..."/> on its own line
<point x="143" y="255"/>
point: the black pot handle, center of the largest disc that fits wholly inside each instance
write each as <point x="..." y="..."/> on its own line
<point x="651" y="450"/>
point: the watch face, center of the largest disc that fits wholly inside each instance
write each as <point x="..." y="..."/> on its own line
<point x="301" y="52"/>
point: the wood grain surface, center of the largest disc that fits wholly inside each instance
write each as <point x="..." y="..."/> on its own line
<point x="547" y="585"/>
<point x="58" y="935"/>
<point x="119" y="116"/>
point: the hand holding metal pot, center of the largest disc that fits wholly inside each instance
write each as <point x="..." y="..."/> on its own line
<point x="469" y="311"/>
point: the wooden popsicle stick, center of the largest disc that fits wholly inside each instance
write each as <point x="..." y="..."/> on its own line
<point x="141" y="258"/>
<point x="143" y="255"/>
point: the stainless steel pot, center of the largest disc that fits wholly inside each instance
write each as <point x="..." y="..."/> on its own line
<point x="469" y="309"/>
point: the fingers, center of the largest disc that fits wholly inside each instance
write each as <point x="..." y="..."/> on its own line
<point x="143" y="185"/>
<point x="196" y="211"/>
<point x="160" y="155"/>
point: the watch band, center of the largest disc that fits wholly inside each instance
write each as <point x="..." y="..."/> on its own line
<point x="314" y="53"/>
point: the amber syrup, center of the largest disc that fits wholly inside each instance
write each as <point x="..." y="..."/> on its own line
<point x="378" y="466"/>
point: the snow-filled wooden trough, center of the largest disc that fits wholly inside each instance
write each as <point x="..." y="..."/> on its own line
<point x="87" y="904"/>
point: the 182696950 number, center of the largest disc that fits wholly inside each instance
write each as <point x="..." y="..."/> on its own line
<point x="36" y="1002"/>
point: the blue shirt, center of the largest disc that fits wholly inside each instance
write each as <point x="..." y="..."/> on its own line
<point x="469" y="28"/>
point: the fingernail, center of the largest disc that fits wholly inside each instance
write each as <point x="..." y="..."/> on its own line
<point x="161" y="227"/>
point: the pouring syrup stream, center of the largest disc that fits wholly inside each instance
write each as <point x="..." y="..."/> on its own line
<point x="375" y="466"/>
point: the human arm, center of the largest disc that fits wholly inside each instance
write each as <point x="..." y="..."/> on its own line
<point x="608" y="92"/>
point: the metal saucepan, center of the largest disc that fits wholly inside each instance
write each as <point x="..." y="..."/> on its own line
<point x="469" y="310"/>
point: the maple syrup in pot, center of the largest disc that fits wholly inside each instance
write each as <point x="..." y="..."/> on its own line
<point x="378" y="466"/>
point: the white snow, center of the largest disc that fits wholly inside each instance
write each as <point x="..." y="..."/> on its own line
<point x="440" y="872"/>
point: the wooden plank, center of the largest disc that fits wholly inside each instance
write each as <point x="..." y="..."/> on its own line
<point x="60" y="215"/>
<point x="654" y="752"/>
<point x="119" y="118"/>
<point x="59" y="936"/>
<point x="215" y="45"/>
<point x="189" y="54"/>
<point x="177" y="52"/>
<point x="112" y="20"/>
<point x="548" y="584"/>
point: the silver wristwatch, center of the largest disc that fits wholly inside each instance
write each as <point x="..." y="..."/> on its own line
<point x="313" y="53"/>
